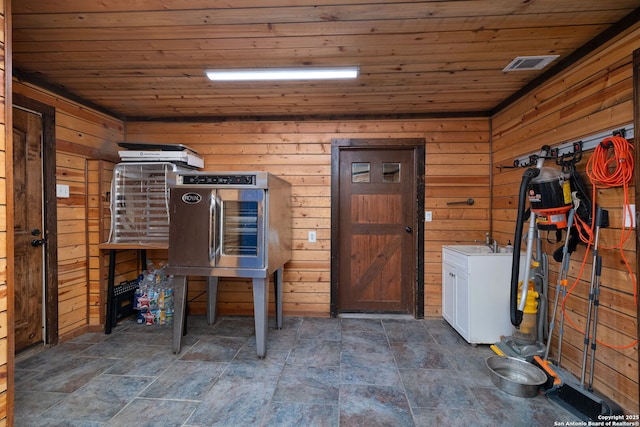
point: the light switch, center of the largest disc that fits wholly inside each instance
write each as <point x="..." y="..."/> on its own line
<point x="312" y="237"/>
<point x="428" y="216"/>
<point x="62" y="191"/>
<point x="630" y="216"/>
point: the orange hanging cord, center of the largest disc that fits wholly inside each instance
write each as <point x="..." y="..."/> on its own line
<point x="611" y="165"/>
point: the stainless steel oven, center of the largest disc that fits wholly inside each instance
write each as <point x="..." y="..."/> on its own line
<point x="233" y="224"/>
<point x="230" y="224"/>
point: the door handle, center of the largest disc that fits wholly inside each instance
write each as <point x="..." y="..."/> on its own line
<point x="408" y="229"/>
<point x="38" y="242"/>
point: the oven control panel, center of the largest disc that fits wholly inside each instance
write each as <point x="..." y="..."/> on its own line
<point x="202" y="179"/>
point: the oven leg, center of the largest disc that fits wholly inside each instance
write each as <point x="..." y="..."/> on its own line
<point x="212" y="299"/>
<point x="261" y="310"/>
<point x="180" y="310"/>
<point x="277" y="285"/>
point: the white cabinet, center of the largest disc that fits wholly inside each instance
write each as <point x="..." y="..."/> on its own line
<point x="476" y="293"/>
<point x="455" y="300"/>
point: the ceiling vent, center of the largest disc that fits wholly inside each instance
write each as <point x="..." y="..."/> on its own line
<point x="528" y="63"/>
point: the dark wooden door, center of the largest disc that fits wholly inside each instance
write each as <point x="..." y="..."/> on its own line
<point x="28" y="228"/>
<point x="377" y="230"/>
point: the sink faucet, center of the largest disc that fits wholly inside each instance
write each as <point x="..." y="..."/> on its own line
<point x="493" y="246"/>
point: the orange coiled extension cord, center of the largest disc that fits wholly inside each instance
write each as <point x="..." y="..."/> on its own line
<point x="611" y="165"/>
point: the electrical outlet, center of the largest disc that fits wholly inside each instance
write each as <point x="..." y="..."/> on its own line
<point x="312" y="237"/>
<point x="428" y="216"/>
<point x="629" y="216"/>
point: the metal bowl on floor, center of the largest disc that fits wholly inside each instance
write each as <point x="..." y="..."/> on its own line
<point x="515" y="376"/>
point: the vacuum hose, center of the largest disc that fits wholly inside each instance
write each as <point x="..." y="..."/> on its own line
<point x="517" y="315"/>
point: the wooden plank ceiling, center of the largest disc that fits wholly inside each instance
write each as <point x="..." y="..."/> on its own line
<point x="146" y="58"/>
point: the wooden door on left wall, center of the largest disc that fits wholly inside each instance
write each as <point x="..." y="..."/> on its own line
<point x="29" y="244"/>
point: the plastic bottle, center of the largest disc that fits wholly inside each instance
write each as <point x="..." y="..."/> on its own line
<point x="509" y="248"/>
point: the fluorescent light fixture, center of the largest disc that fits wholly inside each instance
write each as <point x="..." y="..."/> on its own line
<point x="308" y="73"/>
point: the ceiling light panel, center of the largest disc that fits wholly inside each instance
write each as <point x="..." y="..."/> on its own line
<point x="269" y="74"/>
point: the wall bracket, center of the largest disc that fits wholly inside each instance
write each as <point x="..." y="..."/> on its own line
<point x="571" y="152"/>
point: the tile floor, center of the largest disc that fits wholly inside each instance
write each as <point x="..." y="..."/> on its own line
<point x="317" y="372"/>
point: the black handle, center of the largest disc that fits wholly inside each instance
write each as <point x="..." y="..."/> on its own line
<point x="37" y="242"/>
<point x="408" y="229"/>
<point x="35" y="232"/>
<point x="598" y="222"/>
<point x="598" y="266"/>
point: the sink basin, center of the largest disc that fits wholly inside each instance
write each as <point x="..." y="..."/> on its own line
<point x="472" y="249"/>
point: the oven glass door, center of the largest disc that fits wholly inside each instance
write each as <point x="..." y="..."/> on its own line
<point x="241" y="228"/>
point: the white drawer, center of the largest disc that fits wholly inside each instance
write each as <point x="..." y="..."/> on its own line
<point x="454" y="258"/>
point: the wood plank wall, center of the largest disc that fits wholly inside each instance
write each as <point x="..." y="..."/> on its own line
<point x="81" y="134"/>
<point x="593" y="96"/>
<point x="457" y="166"/>
<point x="99" y="174"/>
<point x="6" y="342"/>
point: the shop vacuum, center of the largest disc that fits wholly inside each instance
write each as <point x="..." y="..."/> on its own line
<point x="550" y="197"/>
<point x="551" y="194"/>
